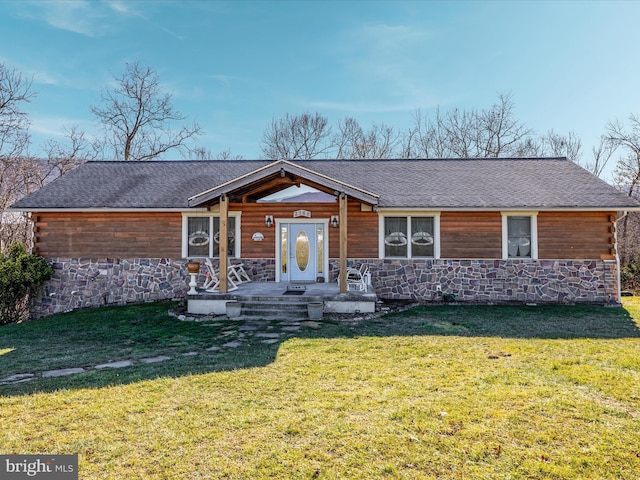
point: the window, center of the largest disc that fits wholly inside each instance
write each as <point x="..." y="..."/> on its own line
<point x="409" y="236"/>
<point x="202" y="236"/>
<point x="519" y="236"/>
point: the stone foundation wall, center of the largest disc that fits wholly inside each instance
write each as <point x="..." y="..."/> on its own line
<point x="89" y="282"/>
<point x="493" y="281"/>
<point x="81" y="283"/>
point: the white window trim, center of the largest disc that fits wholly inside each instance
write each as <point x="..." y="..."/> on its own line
<point x="534" y="233"/>
<point x="408" y="215"/>
<point x="210" y="215"/>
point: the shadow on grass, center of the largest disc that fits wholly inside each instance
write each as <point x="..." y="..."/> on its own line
<point x="92" y="337"/>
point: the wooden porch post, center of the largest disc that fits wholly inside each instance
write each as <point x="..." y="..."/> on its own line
<point x="343" y="243"/>
<point x="222" y="246"/>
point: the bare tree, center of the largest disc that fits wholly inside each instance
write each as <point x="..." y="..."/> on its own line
<point x="627" y="176"/>
<point x="15" y="92"/>
<point x="556" y="145"/>
<point x="200" y="153"/>
<point x="61" y="158"/>
<point x="137" y="118"/>
<point x="489" y="133"/>
<point x="203" y="153"/>
<point x="302" y="137"/>
<point x="380" y="141"/>
<point x="627" y="170"/>
<point x="601" y="153"/>
<point x="227" y="155"/>
<point x="500" y="134"/>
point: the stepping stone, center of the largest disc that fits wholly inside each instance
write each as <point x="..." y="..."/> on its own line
<point x="62" y="372"/>
<point x="270" y="341"/>
<point x="215" y="348"/>
<point x="268" y="335"/>
<point x="290" y="329"/>
<point x="120" y="364"/>
<point x="190" y="354"/>
<point x="232" y="344"/>
<point x="17" y="378"/>
<point x="311" y="324"/>
<point x="247" y="328"/>
<point x="159" y="358"/>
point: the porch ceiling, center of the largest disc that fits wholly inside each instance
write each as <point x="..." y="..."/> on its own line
<point x="273" y="178"/>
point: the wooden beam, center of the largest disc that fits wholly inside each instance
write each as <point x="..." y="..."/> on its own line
<point x="224" y="240"/>
<point x="343" y="242"/>
<point x="273" y="185"/>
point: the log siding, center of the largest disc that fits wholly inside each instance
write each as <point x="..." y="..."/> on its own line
<point x="561" y="235"/>
<point x="108" y="234"/>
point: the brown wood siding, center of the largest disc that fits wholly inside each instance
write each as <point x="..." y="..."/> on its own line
<point x="362" y="227"/>
<point x="109" y="235"/>
<point x="471" y="235"/>
<point x="579" y="235"/>
<point x="561" y="235"/>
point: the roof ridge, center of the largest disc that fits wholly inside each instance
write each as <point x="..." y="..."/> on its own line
<point x="315" y="160"/>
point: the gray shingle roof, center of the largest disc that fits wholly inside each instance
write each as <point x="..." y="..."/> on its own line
<point x="432" y="184"/>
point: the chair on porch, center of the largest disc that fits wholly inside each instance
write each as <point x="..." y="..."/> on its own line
<point x="238" y="272"/>
<point x="357" y="278"/>
<point x="212" y="283"/>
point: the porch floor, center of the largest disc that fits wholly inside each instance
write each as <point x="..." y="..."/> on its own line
<point x="260" y="289"/>
<point x="270" y="299"/>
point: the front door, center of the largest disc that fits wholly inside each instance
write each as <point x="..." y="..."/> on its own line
<point x="302" y="251"/>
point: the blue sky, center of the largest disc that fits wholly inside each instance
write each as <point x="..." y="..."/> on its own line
<point x="234" y="66"/>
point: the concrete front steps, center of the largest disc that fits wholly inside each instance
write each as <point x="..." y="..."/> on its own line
<point x="274" y="308"/>
<point x="277" y="305"/>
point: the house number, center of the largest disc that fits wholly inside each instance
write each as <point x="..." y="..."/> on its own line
<point x="302" y="213"/>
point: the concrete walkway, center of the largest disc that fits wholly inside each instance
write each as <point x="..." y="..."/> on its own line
<point x="236" y="334"/>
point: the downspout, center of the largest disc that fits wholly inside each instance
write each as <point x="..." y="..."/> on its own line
<point x="615" y="240"/>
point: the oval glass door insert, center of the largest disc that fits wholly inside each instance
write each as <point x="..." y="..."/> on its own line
<point x="302" y="251"/>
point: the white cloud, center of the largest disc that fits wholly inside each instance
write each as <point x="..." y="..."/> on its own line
<point x="38" y="75"/>
<point x="78" y="16"/>
<point x="53" y="126"/>
<point x="121" y="7"/>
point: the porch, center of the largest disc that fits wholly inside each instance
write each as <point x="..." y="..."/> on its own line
<point x="282" y="300"/>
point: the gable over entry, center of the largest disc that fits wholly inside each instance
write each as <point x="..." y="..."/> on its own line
<point x="272" y="178"/>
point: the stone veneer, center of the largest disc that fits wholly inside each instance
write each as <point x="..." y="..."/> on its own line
<point x="82" y="282"/>
<point x="89" y="282"/>
<point x="494" y="281"/>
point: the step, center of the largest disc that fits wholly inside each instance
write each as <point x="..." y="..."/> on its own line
<point x="291" y="306"/>
<point x="282" y="299"/>
<point x="274" y="314"/>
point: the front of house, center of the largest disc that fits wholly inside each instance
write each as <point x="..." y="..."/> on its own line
<point x="487" y="230"/>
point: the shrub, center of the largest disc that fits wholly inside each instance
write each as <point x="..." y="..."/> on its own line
<point x="630" y="274"/>
<point x="21" y="275"/>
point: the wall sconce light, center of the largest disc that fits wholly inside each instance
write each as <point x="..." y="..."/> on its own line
<point x="334" y="221"/>
<point x="268" y="220"/>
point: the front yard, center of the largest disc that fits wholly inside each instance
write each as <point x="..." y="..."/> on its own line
<point x="440" y="392"/>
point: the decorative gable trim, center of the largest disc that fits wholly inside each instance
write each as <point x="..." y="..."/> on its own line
<point x="282" y="167"/>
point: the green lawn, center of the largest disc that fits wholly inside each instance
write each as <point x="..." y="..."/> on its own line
<point x="437" y="392"/>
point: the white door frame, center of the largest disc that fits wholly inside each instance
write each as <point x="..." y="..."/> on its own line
<point x="325" y="244"/>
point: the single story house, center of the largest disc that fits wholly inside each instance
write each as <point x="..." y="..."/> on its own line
<point x="485" y="230"/>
